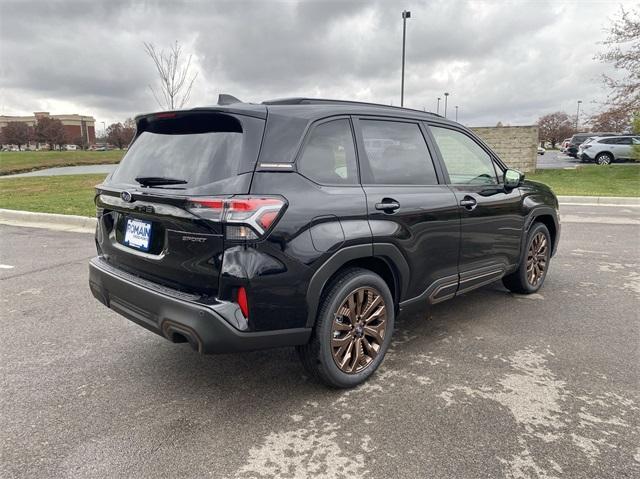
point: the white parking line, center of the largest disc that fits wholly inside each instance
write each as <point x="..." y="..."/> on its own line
<point x="6" y="266"/>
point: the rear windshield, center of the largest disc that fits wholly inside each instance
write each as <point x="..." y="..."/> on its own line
<point x="579" y="138"/>
<point x="198" y="149"/>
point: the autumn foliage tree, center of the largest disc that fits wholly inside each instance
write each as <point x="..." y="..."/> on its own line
<point x="121" y="135"/>
<point x="554" y="127"/>
<point x="623" y="52"/>
<point x="51" y="131"/>
<point x="614" y="120"/>
<point x="16" y="133"/>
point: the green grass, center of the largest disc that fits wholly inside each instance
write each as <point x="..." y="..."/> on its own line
<point x="69" y="195"/>
<point x="73" y="194"/>
<point x="21" y="161"/>
<point x="592" y="180"/>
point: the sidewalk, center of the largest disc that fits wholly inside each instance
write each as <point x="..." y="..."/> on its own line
<point x="75" y="224"/>
<point x="599" y="200"/>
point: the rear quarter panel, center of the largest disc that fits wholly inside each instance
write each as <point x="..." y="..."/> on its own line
<point x="318" y="221"/>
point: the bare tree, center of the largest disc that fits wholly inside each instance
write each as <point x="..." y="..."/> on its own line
<point x="176" y="80"/>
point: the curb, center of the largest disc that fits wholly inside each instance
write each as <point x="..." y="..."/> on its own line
<point x="76" y="224"/>
<point x="599" y="200"/>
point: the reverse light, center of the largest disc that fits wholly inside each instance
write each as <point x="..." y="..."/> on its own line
<point x="245" y="217"/>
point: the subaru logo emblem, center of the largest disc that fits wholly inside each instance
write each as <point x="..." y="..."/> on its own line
<point x="126" y="196"/>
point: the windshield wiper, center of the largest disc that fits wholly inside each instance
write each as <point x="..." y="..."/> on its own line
<point x="159" y="180"/>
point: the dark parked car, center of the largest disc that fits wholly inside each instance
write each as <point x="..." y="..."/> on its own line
<point x="310" y="223"/>
<point x="578" y="139"/>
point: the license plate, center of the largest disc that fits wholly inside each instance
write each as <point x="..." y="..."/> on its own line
<point x="137" y="234"/>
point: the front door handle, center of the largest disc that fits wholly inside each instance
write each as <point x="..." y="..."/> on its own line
<point x="388" y="205"/>
<point x="469" y="203"/>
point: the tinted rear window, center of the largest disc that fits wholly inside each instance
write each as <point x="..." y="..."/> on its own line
<point x="197" y="148"/>
<point x="397" y="154"/>
<point x="579" y="138"/>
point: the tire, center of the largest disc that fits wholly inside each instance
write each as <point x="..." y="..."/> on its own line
<point x="525" y="280"/>
<point x="335" y="330"/>
<point x="604" y="159"/>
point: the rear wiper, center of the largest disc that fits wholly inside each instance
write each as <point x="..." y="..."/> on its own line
<point x="159" y="180"/>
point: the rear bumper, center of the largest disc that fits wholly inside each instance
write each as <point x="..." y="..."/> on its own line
<point x="585" y="157"/>
<point x="208" y="328"/>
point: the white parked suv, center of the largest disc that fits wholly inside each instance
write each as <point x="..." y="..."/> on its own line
<point x="604" y="150"/>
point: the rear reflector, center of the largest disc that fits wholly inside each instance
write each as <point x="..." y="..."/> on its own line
<point x="243" y="303"/>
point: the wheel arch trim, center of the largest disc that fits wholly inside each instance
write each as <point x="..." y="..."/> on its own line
<point x="531" y="219"/>
<point x="387" y="252"/>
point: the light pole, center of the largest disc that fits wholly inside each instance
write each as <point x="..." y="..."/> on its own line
<point x="578" y="115"/>
<point x="456" y="112"/>
<point x="446" y="96"/>
<point x="438" y="107"/>
<point x="104" y="130"/>
<point x="405" y="14"/>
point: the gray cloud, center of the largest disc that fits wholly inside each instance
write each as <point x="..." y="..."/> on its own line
<point x="508" y="61"/>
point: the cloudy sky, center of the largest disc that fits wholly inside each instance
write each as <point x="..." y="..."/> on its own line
<point x="501" y="60"/>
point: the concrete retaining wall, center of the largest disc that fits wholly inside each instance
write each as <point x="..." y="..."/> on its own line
<point x="515" y="145"/>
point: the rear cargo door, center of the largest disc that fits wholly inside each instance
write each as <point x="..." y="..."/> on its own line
<point x="146" y="226"/>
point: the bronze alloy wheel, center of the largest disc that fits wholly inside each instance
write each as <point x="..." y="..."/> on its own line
<point x="537" y="258"/>
<point x="358" y="330"/>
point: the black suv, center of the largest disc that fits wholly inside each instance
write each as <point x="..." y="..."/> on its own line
<point x="310" y="223"/>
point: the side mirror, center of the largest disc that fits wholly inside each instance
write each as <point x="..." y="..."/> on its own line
<point x="513" y="178"/>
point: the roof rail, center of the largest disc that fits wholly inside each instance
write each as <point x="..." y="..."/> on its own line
<point x="326" y="101"/>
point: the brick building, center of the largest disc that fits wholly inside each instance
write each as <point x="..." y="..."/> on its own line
<point x="80" y="129"/>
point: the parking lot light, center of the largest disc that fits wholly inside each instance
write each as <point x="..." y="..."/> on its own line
<point x="446" y="96"/>
<point x="578" y="115"/>
<point x="405" y="14"/>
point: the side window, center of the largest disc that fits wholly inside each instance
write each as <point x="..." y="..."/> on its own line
<point x="636" y="140"/>
<point x="624" y="141"/>
<point x="466" y="161"/>
<point x="397" y="154"/>
<point x="329" y="157"/>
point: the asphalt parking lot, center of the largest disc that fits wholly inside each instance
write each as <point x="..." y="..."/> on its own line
<point x="486" y="385"/>
<point x="553" y="159"/>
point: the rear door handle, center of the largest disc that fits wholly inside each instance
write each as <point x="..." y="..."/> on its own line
<point x="388" y="205"/>
<point x="468" y="202"/>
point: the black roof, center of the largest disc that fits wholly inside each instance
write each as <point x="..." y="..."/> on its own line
<point x="326" y="101"/>
<point x="310" y="109"/>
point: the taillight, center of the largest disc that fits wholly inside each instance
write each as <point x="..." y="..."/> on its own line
<point x="245" y="217"/>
